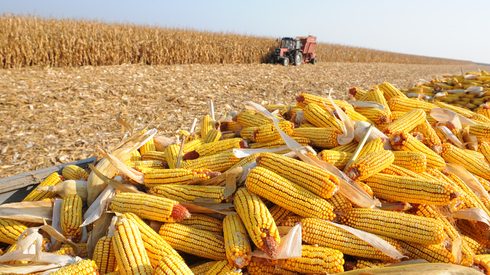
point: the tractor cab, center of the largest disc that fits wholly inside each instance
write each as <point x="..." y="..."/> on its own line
<point x="290" y="43"/>
<point x="295" y="50"/>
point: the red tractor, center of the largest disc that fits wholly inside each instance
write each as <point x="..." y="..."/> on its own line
<point x="296" y="51"/>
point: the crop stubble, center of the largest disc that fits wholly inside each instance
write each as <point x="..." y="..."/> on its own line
<point x="56" y="115"/>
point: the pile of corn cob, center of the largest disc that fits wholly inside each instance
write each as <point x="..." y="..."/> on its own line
<point x="470" y="90"/>
<point x="186" y="207"/>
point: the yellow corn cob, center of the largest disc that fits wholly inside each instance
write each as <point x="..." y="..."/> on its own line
<point x="430" y="137"/>
<point x="201" y="269"/>
<point x="320" y="232"/>
<point x="482" y="261"/>
<point x="430" y="211"/>
<point x="212" y="136"/>
<point x="406" y="142"/>
<point x="376" y="95"/>
<point x="407" y="122"/>
<point x="473" y="164"/>
<point x="414" y="161"/>
<point x="261" y="266"/>
<point x="286" y="194"/>
<point x="204" y="222"/>
<point x="217" y="162"/>
<point x="279" y="213"/>
<point x="194" y="241"/>
<point x="206" y="125"/>
<point x="266" y="133"/>
<point x="189" y="193"/>
<point x="319" y="137"/>
<point x="171" y="265"/>
<point x="373" y="146"/>
<point x="412" y="190"/>
<point x="320" y="118"/>
<point x="370" y="164"/>
<point x="10" y="230"/>
<point x="155" y="177"/>
<point x="67" y="249"/>
<point x="340" y="202"/>
<point x="83" y="267"/>
<point x="434" y="253"/>
<point x="237" y="245"/>
<point x="147" y="164"/>
<point x="356" y="116"/>
<point x="192" y="145"/>
<point x="171" y="154"/>
<point x="396" y="170"/>
<point x="474" y="245"/>
<point x="390" y="91"/>
<point x="279" y="142"/>
<point x="378" y="116"/>
<point x="363" y="264"/>
<point x="315" y="259"/>
<point x="304" y="99"/>
<point x="405" y="104"/>
<point x="348" y="148"/>
<point x="154" y="155"/>
<point x="336" y="158"/>
<point x="73" y="172"/>
<point x="222" y="268"/>
<point x="149" y="207"/>
<point x="230" y="126"/>
<point x="257" y="220"/>
<point x="485" y="183"/>
<point x="156" y="247"/>
<point x="314" y="179"/>
<point x="215" y="147"/>
<point x="71" y="216"/>
<point x="104" y="255"/>
<point x="291" y="220"/>
<point x="129" y="249"/>
<point x="484" y="110"/>
<point x="249" y="118"/>
<point x="147" y="147"/>
<point x="396" y="225"/>
<point x="484" y="148"/>
<point x="357" y="92"/>
<point x="481" y="131"/>
<point x="244" y="161"/>
<point x="36" y="195"/>
<point x="134" y="156"/>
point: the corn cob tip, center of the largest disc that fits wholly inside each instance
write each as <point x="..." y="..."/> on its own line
<point x="180" y="213"/>
<point x="300" y="98"/>
<point x="270" y="245"/>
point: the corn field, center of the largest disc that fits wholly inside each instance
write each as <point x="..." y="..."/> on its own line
<point x="31" y="41"/>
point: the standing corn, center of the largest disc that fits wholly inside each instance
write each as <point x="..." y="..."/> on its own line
<point x="258" y="221"/>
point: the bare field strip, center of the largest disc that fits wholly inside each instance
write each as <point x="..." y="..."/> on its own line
<point x="54" y="115"/>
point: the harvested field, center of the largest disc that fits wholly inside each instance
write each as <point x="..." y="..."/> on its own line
<point x="56" y="115"/>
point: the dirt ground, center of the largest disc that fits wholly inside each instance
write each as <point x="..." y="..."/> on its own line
<point x="56" y="115"/>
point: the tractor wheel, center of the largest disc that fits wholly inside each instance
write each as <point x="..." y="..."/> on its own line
<point x="298" y="59"/>
<point x="285" y="61"/>
<point x="272" y="60"/>
<point x="313" y="61"/>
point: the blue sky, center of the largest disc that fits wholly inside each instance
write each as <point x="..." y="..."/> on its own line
<point x="452" y="29"/>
